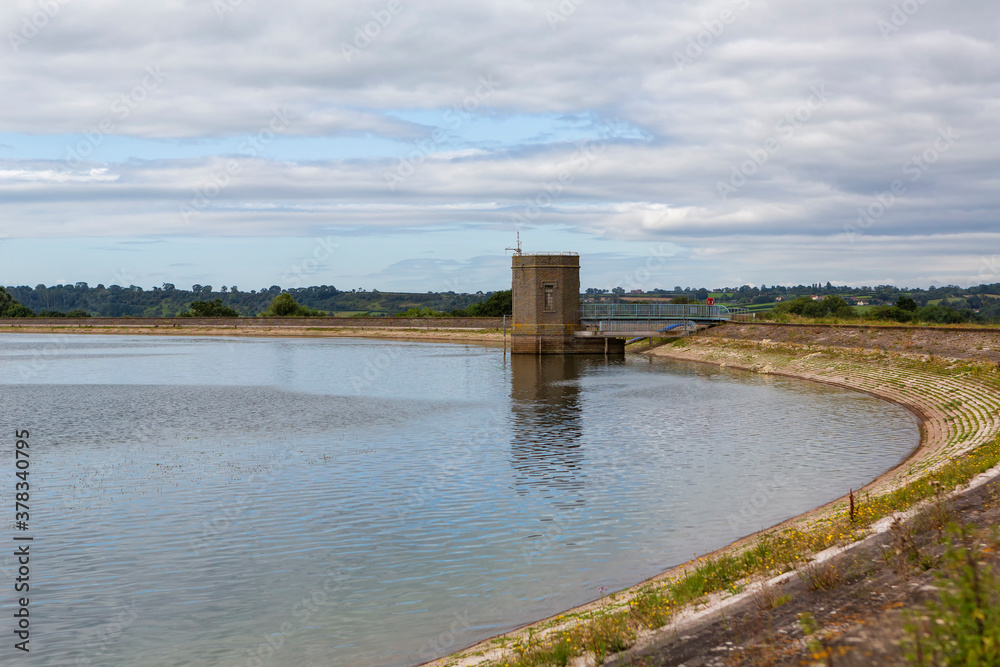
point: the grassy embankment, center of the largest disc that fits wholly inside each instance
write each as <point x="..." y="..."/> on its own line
<point x="790" y="318"/>
<point x="958" y="401"/>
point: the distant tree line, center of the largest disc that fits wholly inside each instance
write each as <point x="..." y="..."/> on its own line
<point x="497" y="305"/>
<point x="82" y="300"/>
<point x="948" y="304"/>
<point x="905" y="309"/>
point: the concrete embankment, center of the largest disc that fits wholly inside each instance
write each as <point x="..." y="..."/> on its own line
<point x="955" y="396"/>
<point x="418" y="328"/>
<point x="966" y="342"/>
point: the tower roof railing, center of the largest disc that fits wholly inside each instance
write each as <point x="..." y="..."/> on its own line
<point x="571" y="254"/>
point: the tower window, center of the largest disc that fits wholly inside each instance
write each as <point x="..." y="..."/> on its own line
<point x="550" y="297"/>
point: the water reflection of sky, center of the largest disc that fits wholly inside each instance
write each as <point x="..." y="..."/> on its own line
<point x="214" y="483"/>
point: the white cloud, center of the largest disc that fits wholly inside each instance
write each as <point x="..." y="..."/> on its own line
<point x="746" y="84"/>
<point x="94" y="175"/>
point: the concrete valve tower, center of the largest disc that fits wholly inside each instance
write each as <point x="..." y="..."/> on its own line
<point x="546" y="296"/>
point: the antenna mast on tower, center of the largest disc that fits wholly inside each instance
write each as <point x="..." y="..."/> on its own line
<point x="517" y="250"/>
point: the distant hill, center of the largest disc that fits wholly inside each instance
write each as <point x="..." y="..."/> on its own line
<point x="168" y="301"/>
<point x="980" y="302"/>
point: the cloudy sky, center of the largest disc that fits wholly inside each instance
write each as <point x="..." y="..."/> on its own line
<point x="399" y="144"/>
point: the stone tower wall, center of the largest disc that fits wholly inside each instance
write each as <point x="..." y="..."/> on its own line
<point x="546" y="296"/>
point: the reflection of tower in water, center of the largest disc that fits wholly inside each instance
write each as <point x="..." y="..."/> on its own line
<point x="547" y="446"/>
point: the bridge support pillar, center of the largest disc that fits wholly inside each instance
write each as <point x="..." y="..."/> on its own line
<point x="546" y="295"/>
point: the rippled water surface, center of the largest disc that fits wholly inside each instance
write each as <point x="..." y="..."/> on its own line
<point x="352" y="502"/>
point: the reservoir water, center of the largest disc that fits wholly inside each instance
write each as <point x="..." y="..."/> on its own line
<point x="286" y="502"/>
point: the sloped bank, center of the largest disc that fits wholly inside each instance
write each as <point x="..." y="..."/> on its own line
<point x="958" y="403"/>
<point x="960" y="342"/>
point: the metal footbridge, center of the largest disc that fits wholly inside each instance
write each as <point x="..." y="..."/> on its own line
<point x="620" y="320"/>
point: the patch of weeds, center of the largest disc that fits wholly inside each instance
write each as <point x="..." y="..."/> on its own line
<point x="907" y="553"/>
<point x="651" y="608"/>
<point x="961" y="626"/>
<point x="811" y="631"/>
<point x="607" y="635"/>
<point x="766" y="598"/>
<point x="821" y="576"/>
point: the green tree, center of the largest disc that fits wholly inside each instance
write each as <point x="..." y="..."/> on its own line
<point x="11" y="307"/>
<point x="56" y="313"/>
<point x="906" y="303"/>
<point x="209" y="309"/>
<point x="421" y="312"/>
<point x="498" y="304"/>
<point x="284" y="305"/>
<point x="833" y="303"/>
<point x="814" y="309"/>
<point x="894" y="313"/>
<point x="795" y="306"/>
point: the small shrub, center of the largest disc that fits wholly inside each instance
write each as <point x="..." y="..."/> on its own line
<point x="767" y="598"/>
<point x="821" y="576"/>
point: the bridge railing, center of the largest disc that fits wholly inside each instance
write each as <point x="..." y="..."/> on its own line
<point x="738" y="314"/>
<point x="629" y="325"/>
<point x="654" y="311"/>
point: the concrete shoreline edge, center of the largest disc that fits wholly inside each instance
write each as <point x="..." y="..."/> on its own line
<point x="433" y="332"/>
<point x="918" y="382"/>
<point x="935" y="447"/>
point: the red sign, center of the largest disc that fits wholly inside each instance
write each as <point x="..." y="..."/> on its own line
<point x="710" y="301"/>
